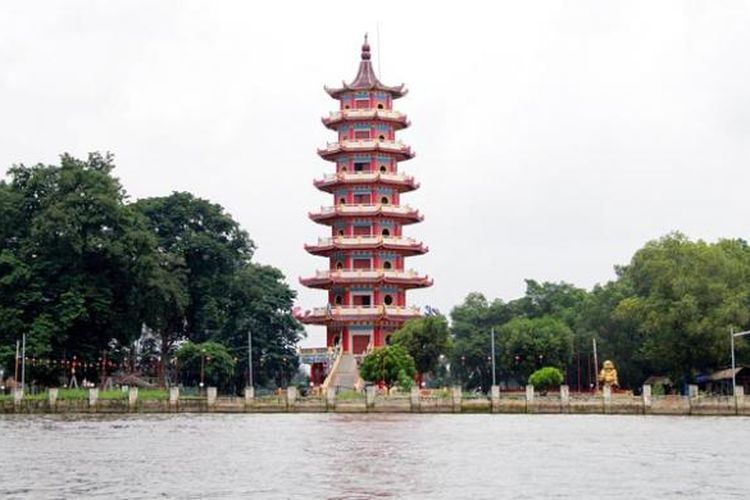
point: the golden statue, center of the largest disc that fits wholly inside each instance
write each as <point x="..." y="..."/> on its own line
<point x="608" y="375"/>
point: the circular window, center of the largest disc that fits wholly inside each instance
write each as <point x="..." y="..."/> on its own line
<point x="380" y="106"/>
<point x="338" y="300"/>
<point x="381" y="137"/>
<point x="383" y="169"/>
<point x="387" y="264"/>
<point x="342" y="201"/>
<point x="384" y="200"/>
<point x="388" y="300"/>
<point x="385" y="232"/>
<point x="343" y="169"/>
<point x="346" y="106"/>
<point x="341" y="232"/>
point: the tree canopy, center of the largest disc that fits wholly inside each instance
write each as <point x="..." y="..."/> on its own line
<point x="389" y="365"/>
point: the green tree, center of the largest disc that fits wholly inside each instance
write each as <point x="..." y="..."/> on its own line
<point x="218" y="364"/>
<point x="73" y="260"/>
<point x="527" y="344"/>
<point x="389" y="365"/>
<point x="546" y="378"/>
<point x="425" y="339"/>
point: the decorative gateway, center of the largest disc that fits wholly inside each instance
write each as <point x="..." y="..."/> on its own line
<point x="366" y="277"/>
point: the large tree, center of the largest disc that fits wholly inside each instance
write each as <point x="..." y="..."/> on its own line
<point x="73" y="259"/>
<point x="425" y="339"/>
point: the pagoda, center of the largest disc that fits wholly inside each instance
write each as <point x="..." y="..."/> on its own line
<point x="366" y="276"/>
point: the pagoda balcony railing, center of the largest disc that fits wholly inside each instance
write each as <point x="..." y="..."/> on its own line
<point x="367" y="176"/>
<point x="369" y="208"/>
<point x="365" y="145"/>
<point x="369" y="240"/>
<point x="366" y="274"/>
<point x="381" y="310"/>
<point x="365" y="114"/>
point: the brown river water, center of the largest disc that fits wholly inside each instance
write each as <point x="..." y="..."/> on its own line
<point x="374" y="456"/>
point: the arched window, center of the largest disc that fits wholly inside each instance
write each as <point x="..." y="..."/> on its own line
<point x="338" y="300"/>
<point x="341" y="232"/>
<point x="385" y="232"/>
<point x="388" y="300"/>
<point x="346" y="106"/>
<point x="336" y="340"/>
<point x="388" y="339"/>
<point x="342" y="201"/>
<point x="381" y="137"/>
<point x="339" y="265"/>
<point x="343" y="169"/>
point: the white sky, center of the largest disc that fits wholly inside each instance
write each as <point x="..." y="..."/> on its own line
<point x="553" y="138"/>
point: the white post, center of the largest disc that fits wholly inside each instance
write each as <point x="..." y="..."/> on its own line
<point x="93" y="396"/>
<point x="646" y="397"/>
<point x="370" y="396"/>
<point x="17" y="395"/>
<point x="291" y="396"/>
<point x="132" y="397"/>
<point x="249" y="395"/>
<point x="564" y="395"/>
<point x="23" y="363"/>
<point x="331" y="397"/>
<point x="414" y="397"/>
<point x="692" y="391"/>
<point x="529" y="393"/>
<point x="494" y="378"/>
<point x="174" y="395"/>
<point x="211" y="396"/>
<point x="457" y="397"/>
<point x="52" y="397"/>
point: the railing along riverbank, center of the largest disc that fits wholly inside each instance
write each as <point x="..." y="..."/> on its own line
<point x="371" y="401"/>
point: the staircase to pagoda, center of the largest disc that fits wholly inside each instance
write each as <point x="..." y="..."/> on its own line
<point x="344" y="374"/>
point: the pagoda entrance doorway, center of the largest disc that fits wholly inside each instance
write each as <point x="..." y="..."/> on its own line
<point x="360" y="343"/>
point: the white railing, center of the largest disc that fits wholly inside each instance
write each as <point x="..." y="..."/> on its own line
<point x="369" y="240"/>
<point x="367" y="208"/>
<point x="366" y="311"/>
<point x="366" y="273"/>
<point x="367" y="176"/>
<point x="365" y="144"/>
<point x="366" y="113"/>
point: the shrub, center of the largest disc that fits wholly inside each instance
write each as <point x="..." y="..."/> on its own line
<point x="546" y="378"/>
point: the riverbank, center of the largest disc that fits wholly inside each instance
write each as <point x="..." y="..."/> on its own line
<point x="448" y="401"/>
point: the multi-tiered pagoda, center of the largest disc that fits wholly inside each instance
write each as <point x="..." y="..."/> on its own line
<point x="366" y="277"/>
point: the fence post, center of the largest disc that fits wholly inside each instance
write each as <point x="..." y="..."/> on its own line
<point x="211" y="397"/>
<point x="331" y="398"/>
<point x="739" y="399"/>
<point x="132" y="398"/>
<point x="370" y="396"/>
<point x="607" y="395"/>
<point x="494" y="398"/>
<point x="17" y="396"/>
<point x="565" y="398"/>
<point x="291" y="397"/>
<point x="52" y="398"/>
<point x="249" y="395"/>
<point x="456" y="398"/>
<point x="93" y="396"/>
<point x="414" y="398"/>
<point x="529" y="398"/>
<point x="174" y="396"/>
<point x="646" y="399"/>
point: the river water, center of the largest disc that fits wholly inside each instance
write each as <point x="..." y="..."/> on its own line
<point x="374" y="456"/>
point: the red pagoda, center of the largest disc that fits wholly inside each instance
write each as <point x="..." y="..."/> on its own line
<point x="366" y="277"/>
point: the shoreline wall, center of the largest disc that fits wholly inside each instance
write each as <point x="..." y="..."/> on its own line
<point x="455" y="402"/>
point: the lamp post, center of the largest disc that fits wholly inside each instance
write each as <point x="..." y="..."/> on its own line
<point x="203" y="362"/>
<point x="732" y="336"/>
<point x="494" y="378"/>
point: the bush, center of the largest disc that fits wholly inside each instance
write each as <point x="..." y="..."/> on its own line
<point x="546" y="378"/>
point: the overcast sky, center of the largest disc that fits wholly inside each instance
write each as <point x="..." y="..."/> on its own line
<point x="553" y="139"/>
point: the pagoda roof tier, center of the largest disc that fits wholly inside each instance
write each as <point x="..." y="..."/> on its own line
<point x="328" y="278"/>
<point x="404" y="246"/>
<point x="351" y="314"/>
<point x="402" y="182"/>
<point x="366" y="79"/>
<point x="336" y="118"/>
<point x="404" y="213"/>
<point x="396" y="148"/>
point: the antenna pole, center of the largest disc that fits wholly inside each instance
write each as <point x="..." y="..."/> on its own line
<point x="377" y="42"/>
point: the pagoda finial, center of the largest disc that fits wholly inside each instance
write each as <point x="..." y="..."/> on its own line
<point x="366" y="50"/>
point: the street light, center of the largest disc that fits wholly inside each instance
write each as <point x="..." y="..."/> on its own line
<point x="734" y="374"/>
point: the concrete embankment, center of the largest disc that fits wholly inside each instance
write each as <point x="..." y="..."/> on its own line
<point x="452" y="401"/>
